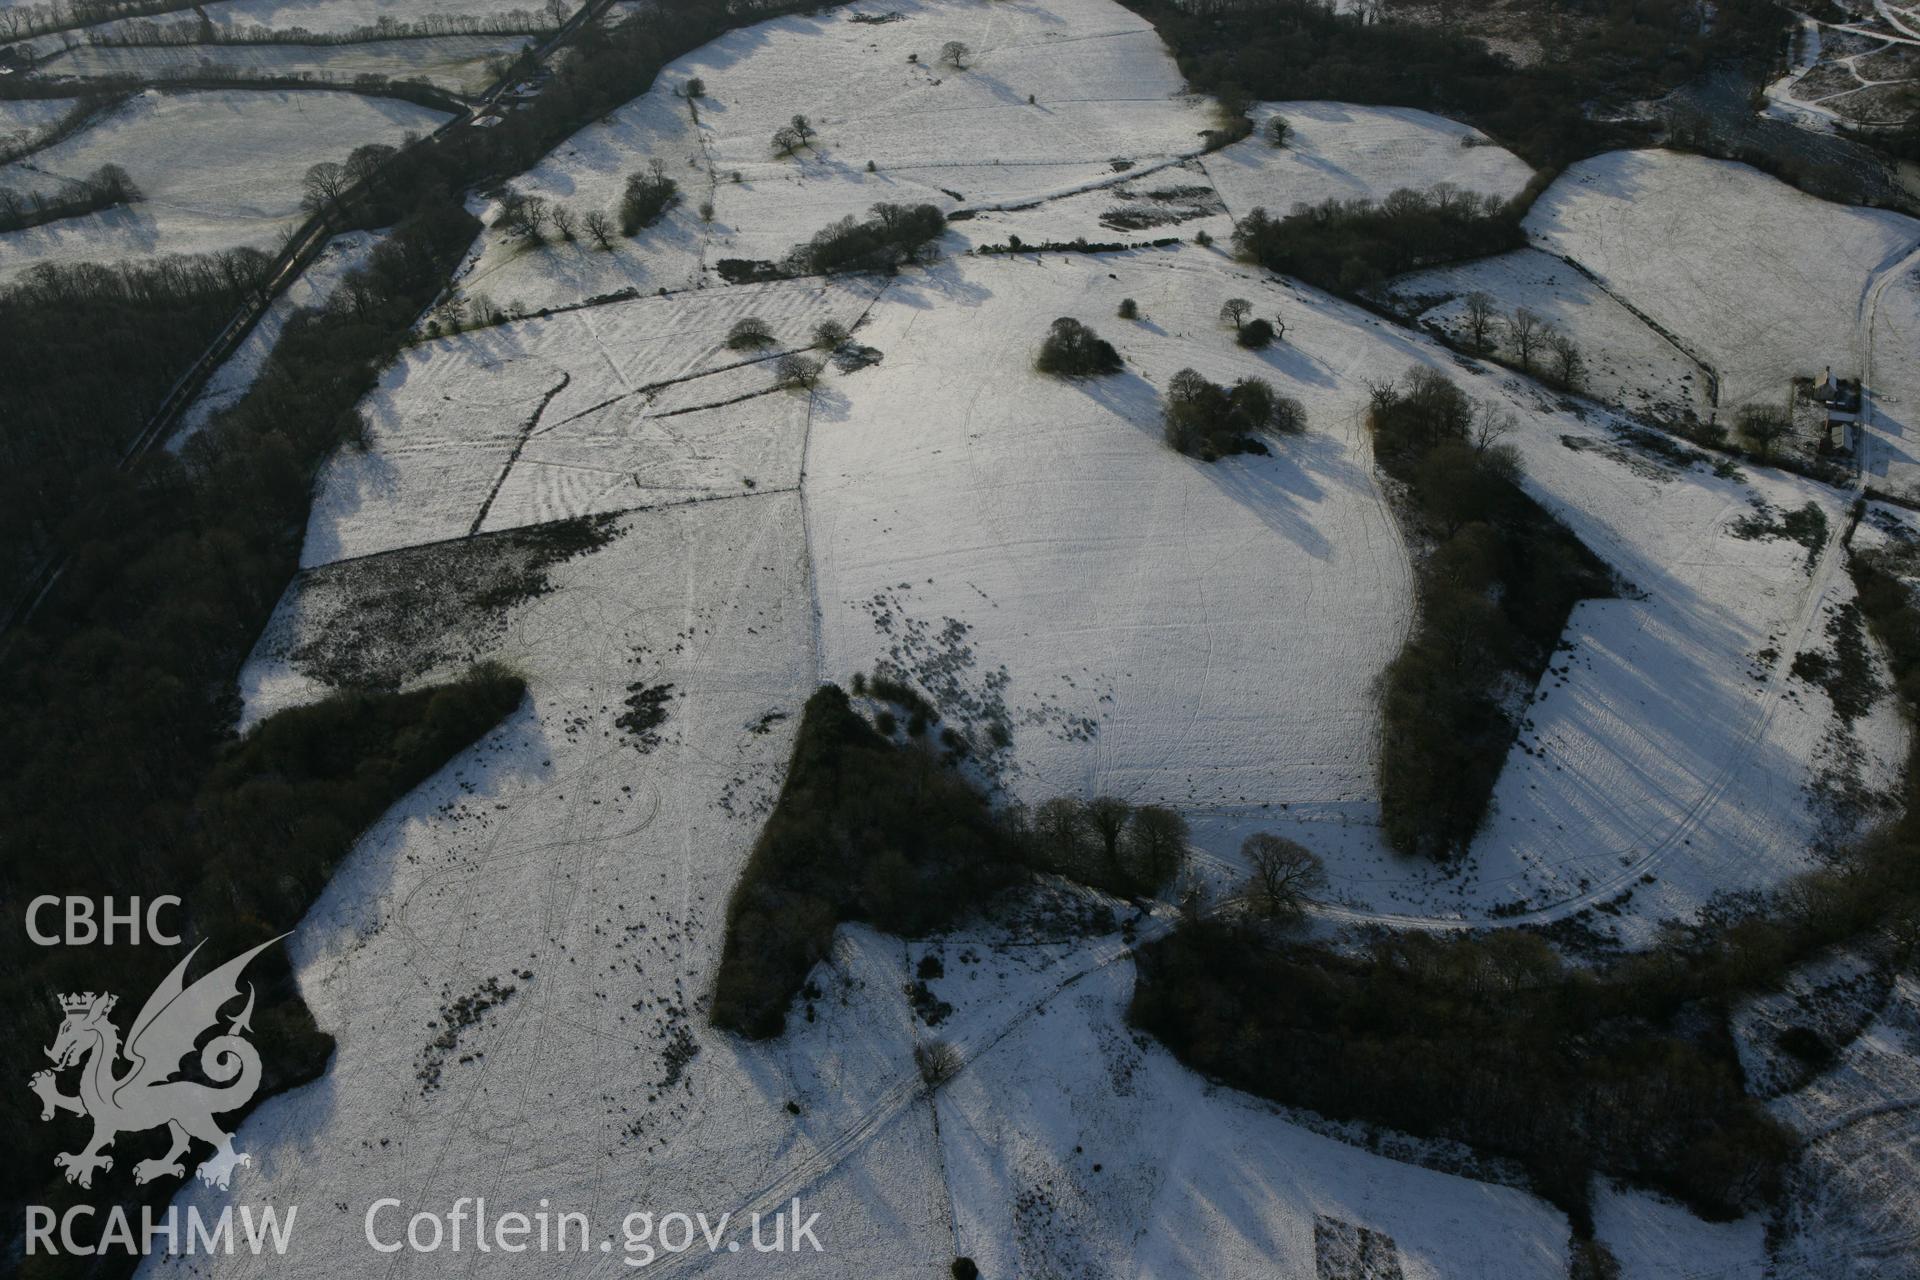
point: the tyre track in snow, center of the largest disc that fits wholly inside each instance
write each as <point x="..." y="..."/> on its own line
<point x="898" y="1097"/>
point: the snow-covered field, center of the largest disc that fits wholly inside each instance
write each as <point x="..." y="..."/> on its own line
<point x="1628" y="362"/>
<point x="603" y="409"/>
<point x="1336" y="150"/>
<point x="1762" y="281"/>
<point x="218" y="170"/>
<point x="1103" y="87"/>
<point x="453" y="62"/>
<point x="1108" y="120"/>
<point x="1151" y="615"/>
<point x="1206" y="636"/>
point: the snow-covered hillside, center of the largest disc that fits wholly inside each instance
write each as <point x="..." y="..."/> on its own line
<point x="514" y="962"/>
<point x="1762" y="281"/>
<point x="218" y="170"/>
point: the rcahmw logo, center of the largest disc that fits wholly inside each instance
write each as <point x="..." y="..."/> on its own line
<point x="129" y="1086"/>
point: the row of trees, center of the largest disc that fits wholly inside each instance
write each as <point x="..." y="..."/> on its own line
<point x="197" y="31"/>
<point x="1533" y="342"/>
<point x="104" y="188"/>
<point x="1112" y="844"/>
<point x="22" y="20"/>
<point x="896" y="233"/>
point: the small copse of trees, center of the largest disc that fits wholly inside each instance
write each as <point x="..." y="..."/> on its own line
<point x="895" y="233"/>
<point x="647" y="196"/>
<point x="1207" y="421"/>
<point x="749" y="333"/>
<point x="1073" y="350"/>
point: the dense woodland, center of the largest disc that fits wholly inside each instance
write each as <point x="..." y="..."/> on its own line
<point x="874" y="824"/>
<point x="1278" y="50"/>
<point x="1494" y="1042"/>
<point x="1350" y="245"/>
<point x="863" y="830"/>
<point x="1498" y="580"/>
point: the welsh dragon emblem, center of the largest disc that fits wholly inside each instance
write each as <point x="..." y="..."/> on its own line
<point x="146" y="1096"/>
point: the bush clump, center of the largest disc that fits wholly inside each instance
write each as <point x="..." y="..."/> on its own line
<point x="896" y="233"/>
<point x="797" y="371"/>
<point x="647" y="196"/>
<point x="1255" y="334"/>
<point x="1205" y="420"/>
<point x="1073" y="350"/>
<point x="749" y="333"/>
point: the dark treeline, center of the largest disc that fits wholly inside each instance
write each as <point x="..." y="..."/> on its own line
<point x="1495" y="591"/>
<point x="874" y="824"/>
<point x="118" y="696"/>
<point x="204" y="74"/>
<point x="1349" y="245"/>
<point x="193" y="31"/>
<point x="1280" y="50"/>
<point x="63" y="327"/>
<point x="1493" y="1042"/>
<point x="302" y="785"/>
<point x="104" y="188"/>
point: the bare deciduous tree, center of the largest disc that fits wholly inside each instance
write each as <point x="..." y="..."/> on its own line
<point x="600" y="228"/>
<point x="1480" y="314"/>
<point x="323" y="187"/>
<point x="1283" y="874"/>
<point x="566" y="223"/>
<point x="1523" y="332"/>
<point x="938" y="1062"/>
<point x="1235" y="311"/>
<point x="796" y="370"/>
<point x="1156" y="844"/>
<point x="1492" y="423"/>
<point x="1763" y="426"/>
<point x="955" y="54"/>
<point x="1569" y="368"/>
